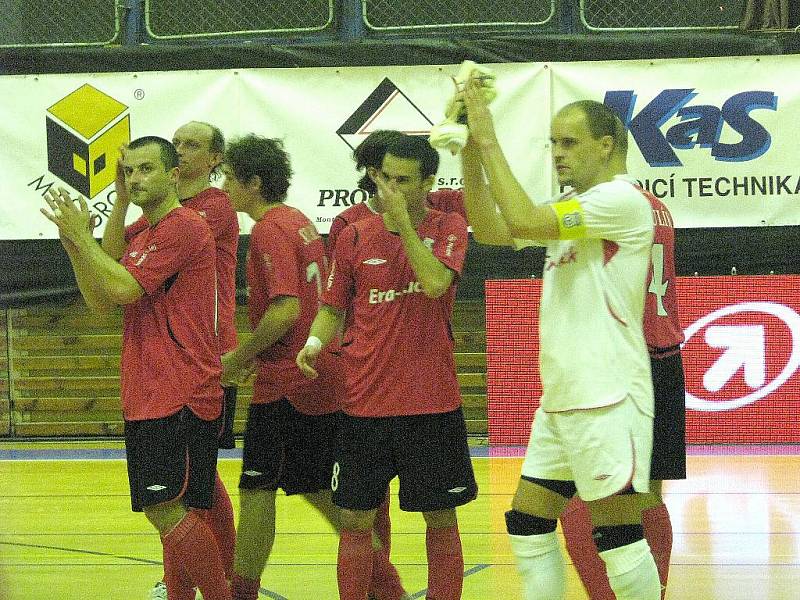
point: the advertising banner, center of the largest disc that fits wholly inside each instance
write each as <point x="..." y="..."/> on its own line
<point x="741" y="358"/>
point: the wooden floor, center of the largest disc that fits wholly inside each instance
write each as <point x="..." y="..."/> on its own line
<point x="66" y="532"/>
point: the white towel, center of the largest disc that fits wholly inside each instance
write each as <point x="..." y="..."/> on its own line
<point x="452" y="133"/>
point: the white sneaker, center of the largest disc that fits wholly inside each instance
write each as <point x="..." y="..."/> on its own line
<point x="159" y="591"/>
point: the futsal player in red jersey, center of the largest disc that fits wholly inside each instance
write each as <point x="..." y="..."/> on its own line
<point x="395" y="273"/>
<point x="369" y="154"/>
<point x="663" y="334"/>
<point x="292" y="422"/>
<point x="170" y="368"/>
<point x="200" y="147"/>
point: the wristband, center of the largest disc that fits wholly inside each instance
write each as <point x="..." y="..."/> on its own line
<point x="314" y="342"/>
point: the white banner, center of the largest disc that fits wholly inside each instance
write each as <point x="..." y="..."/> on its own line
<point x="64" y="130"/>
<point x="713" y="137"/>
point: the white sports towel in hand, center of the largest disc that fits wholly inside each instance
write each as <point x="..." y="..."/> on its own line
<point x="452" y="132"/>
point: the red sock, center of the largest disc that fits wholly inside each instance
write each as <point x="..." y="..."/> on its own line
<point x="576" y="524"/>
<point x="385" y="583"/>
<point x="244" y="589"/>
<point x="220" y="520"/>
<point x="658" y="533"/>
<point x="192" y="544"/>
<point x="383" y="525"/>
<point x="179" y="586"/>
<point x="354" y="566"/>
<point x="445" y="563"/>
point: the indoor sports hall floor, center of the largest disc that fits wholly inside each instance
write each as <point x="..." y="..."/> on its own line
<point x="67" y="532"/>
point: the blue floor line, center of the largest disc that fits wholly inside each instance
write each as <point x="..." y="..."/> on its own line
<point x="263" y="591"/>
<point x="467" y="573"/>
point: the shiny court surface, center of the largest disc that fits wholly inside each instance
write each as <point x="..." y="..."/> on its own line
<point x="67" y="532"/>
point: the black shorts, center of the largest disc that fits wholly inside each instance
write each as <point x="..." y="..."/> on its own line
<point x="429" y="454"/>
<point x="226" y="438"/>
<point x="284" y="448"/>
<point x="173" y="457"/>
<point x="669" y="424"/>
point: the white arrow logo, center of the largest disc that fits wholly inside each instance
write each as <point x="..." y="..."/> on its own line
<point x="745" y="348"/>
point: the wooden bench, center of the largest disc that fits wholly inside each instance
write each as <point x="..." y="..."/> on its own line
<point x="64" y="367"/>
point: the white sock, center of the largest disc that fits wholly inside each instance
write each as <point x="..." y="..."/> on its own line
<point x="541" y="565"/>
<point x="632" y="572"/>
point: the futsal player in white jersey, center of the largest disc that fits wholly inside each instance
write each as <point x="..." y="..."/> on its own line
<point x="593" y="431"/>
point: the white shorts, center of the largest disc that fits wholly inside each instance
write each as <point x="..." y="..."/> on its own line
<point x="603" y="450"/>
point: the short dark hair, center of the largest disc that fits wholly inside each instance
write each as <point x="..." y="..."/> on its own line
<point x="370" y="153"/>
<point x="417" y="148"/>
<point x="252" y="155"/>
<point x="602" y="120"/>
<point x="169" y="156"/>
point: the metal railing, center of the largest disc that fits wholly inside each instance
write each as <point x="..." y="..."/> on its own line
<point x="390" y="15"/>
<point x="660" y="15"/>
<point x="48" y="23"/>
<point x="190" y="19"/>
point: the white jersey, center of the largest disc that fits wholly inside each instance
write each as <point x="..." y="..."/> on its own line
<point x="592" y="348"/>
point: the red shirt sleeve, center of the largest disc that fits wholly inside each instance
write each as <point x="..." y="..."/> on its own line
<point x="174" y="241"/>
<point x="338" y="224"/>
<point x="450" y="245"/>
<point x="279" y="259"/>
<point x="135" y="228"/>
<point x="339" y="291"/>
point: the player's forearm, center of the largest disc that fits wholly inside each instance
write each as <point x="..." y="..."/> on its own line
<point x="488" y="226"/>
<point x="327" y="324"/>
<point x="433" y="276"/>
<point x="92" y="294"/>
<point x="515" y="205"/>
<point x="114" y="234"/>
<point x="112" y="279"/>
<point x="276" y="322"/>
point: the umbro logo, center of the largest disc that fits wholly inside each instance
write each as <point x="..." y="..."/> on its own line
<point x="602" y="477"/>
<point x="156" y="488"/>
<point x="374" y="261"/>
<point x="457" y="490"/>
<point x="253" y="473"/>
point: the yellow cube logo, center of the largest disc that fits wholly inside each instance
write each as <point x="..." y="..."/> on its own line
<point x="84" y="132"/>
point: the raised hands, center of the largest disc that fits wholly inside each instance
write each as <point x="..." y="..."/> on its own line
<point x="390" y="200"/>
<point x="74" y="222"/>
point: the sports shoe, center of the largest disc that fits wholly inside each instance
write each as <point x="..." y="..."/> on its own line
<point x="159" y="591"/>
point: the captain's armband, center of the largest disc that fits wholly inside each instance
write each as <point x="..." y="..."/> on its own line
<point x="569" y="215"/>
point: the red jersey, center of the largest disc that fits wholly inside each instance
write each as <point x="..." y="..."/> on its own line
<point x="215" y="207"/>
<point x="447" y="200"/>
<point x="443" y="200"/>
<point x="343" y="219"/>
<point x="170" y="348"/>
<point x="662" y="328"/>
<point x="399" y="348"/>
<point x="286" y="258"/>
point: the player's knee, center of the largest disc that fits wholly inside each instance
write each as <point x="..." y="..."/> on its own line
<point x="608" y="537"/>
<point x="356" y="519"/>
<point x="439" y="519"/>
<point x="520" y="523"/>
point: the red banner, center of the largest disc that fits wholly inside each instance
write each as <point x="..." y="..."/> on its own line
<point x="741" y="358"/>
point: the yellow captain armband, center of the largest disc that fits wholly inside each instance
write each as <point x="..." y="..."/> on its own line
<point x="569" y="214"/>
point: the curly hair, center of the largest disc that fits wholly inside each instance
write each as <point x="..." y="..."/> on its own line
<point x="253" y="155"/>
<point x="370" y="153"/>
